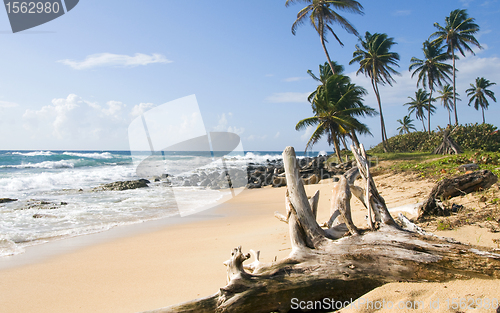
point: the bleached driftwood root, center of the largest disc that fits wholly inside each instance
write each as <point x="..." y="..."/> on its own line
<point x="325" y="263"/>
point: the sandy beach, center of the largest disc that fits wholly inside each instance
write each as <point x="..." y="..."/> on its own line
<point x="175" y="263"/>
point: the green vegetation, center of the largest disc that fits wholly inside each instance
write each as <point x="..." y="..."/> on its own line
<point x="428" y="165"/>
<point x="336" y="104"/>
<point x="406" y="125"/>
<point x="479" y="92"/>
<point x="431" y="71"/>
<point x="323" y="14"/>
<point x="458" y="34"/>
<point x="470" y="137"/>
<point x="377" y="61"/>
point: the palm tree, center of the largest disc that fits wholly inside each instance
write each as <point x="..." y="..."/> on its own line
<point x="458" y="33"/>
<point x="322" y="14"/>
<point x="419" y="104"/>
<point x="479" y="92"/>
<point x="406" y="125"/>
<point x="335" y="110"/>
<point x="431" y="71"/>
<point x="376" y="61"/>
<point x="325" y="72"/>
<point x="446" y="96"/>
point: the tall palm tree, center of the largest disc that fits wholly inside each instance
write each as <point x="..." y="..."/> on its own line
<point x="432" y="70"/>
<point x="322" y="14"/>
<point x="446" y="97"/>
<point x="458" y="33"/>
<point x="377" y="61"/>
<point x="335" y="110"/>
<point x="420" y="104"/>
<point x="478" y="93"/>
<point x="406" y="125"/>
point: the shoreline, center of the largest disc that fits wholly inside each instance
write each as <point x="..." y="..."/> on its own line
<point x="177" y="261"/>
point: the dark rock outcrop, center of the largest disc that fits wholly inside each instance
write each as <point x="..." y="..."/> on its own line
<point x="123" y="185"/>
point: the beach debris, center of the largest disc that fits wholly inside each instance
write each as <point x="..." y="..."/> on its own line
<point x="448" y="145"/>
<point x="7" y="200"/>
<point x="468" y="167"/>
<point x="453" y="187"/>
<point x="341" y="262"/>
<point x="123" y="185"/>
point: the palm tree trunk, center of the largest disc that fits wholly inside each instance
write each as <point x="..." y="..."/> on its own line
<point x="355" y="139"/>
<point x="423" y="124"/>
<point x="326" y="52"/>
<point x="449" y="116"/>
<point x="382" y="124"/>
<point x="429" y="112"/>
<point x="337" y="148"/>
<point x="454" y="86"/>
<point x="484" y="122"/>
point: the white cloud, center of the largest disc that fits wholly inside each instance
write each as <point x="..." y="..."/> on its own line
<point x="277" y="135"/>
<point x="139" y="109"/>
<point x="6" y="104"/>
<point x="115" y="60"/>
<point x="287" y="97"/>
<point x="402" y="13"/>
<point x="73" y="118"/>
<point x="295" y="79"/>
<point x="307" y="134"/>
<point x="256" y="138"/>
<point x="222" y="125"/>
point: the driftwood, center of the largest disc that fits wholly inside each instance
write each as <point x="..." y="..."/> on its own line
<point x="327" y="263"/>
<point x="453" y="187"/>
<point x="448" y="145"/>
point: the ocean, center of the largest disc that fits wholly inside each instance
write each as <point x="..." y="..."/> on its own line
<point x="56" y="198"/>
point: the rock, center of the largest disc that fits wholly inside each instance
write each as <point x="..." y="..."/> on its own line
<point x="186" y="183"/>
<point x="205" y="182"/>
<point x="279" y="181"/>
<point x="311" y="180"/>
<point x="155" y="178"/>
<point x="335" y="179"/>
<point x="254" y="185"/>
<point x="164" y="176"/>
<point x="64" y="203"/>
<point x="123" y="185"/>
<point x="468" y="167"/>
<point x="6" y="200"/>
<point x="44" y="216"/>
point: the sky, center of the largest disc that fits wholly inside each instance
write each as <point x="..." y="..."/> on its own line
<point x="78" y="82"/>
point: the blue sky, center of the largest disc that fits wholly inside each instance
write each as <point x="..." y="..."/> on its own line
<point x="78" y="81"/>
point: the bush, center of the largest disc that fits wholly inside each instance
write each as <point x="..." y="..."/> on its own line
<point x="483" y="137"/>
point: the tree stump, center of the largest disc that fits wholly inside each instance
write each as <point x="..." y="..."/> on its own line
<point x="448" y="145"/>
<point x="340" y="261"/>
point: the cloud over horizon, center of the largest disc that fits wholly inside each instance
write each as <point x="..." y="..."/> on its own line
<point x="115" y="60"/>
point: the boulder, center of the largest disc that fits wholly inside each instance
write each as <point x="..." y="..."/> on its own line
<point x="123" y="185"/>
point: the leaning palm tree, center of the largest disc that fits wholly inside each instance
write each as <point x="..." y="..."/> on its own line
<point x="377" y="61"/>
<point x="420" y="104"/>
<point x="458" y="33"/>
<point x="406" y="125"/>
<point x="432" y="70"/>
<point x="478" y="93"/>
<point x="446" y="97"/>
<point x="335" y="110"/>
<point x="322" y="14"/>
